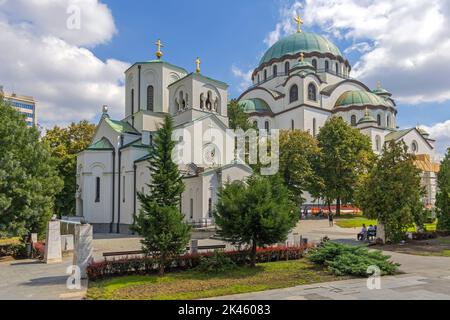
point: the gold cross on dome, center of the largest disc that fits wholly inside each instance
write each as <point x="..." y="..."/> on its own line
<point x="159" y="54"/>
<point x="302" y="57"/>
<point x="299" y="21"/>
<point x="197" y="63"/>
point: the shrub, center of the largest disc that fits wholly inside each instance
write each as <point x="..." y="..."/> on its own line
<point x="216" y="263"/>
<point x="342" y="259"/>
<point x="149" y="265"/>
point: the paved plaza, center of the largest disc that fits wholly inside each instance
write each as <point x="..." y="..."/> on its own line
<point x="422" y="278"/>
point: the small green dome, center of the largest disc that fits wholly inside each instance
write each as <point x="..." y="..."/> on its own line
<point x="254" y="105"/>
<point x="382" y="92"/>
<point x="367" y="119"/>
<point x="301" y="42"/>
<point x="360" y="98"/>
<point x="303" y="65"/>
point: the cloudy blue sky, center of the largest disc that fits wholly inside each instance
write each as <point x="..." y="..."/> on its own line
<point x="73" y="71"/>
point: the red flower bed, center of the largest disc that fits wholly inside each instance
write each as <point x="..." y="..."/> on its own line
<point x="149" y="265"/>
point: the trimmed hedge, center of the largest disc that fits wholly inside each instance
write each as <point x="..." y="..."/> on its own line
<point x="149" y="265"/>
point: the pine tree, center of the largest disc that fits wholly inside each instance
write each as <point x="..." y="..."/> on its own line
<point x="160" y="221"/>
<point x="29" y="179"/>
<point x="256" y="213"/>
<point x="238" y="118"/>
<point x="443" y="195"/>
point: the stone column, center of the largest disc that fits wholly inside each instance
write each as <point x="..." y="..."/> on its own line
<point x="53" y="252"/>
<point x="82" y="255"/>
<point x="194" y="246"/>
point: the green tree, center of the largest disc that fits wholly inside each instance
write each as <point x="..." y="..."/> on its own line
<point x="160" y="221"/>
<point x="28" y="177"/>
<point x="345" y="155"/>
<point x="238" y="118"/>
<point x="297" y="149"/>
<point x="443" y="195"/>
<point x="256" y="213"/>
<point x="65" y="144"/>
<point x="391" y="192"/>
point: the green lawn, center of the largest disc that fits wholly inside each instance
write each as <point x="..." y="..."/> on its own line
<point x="357" y="222"/>
<point x="196" y="285"/>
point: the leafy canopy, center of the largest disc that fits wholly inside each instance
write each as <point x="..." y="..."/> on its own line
<point x="65" y="144"/>
<point x="345" y="155"/>
<point x="391" y="192"/>
<point x="29" y="178"/>
<point x="443" y="195"/>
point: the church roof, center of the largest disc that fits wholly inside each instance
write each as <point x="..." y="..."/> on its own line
<point x="121" y="126"/>
<point x="161" y="62"/>
<point x="102" y="144"/>
<point x="397" y="134"/>
<point x="360" y="98"/>
<point x="199" y="75"/>
<point x="254" y="105"/>
<point x="301" y="42"/>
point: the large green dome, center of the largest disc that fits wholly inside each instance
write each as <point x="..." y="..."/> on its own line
<point x="360" y="98"/>
<point x="301" y="42"/>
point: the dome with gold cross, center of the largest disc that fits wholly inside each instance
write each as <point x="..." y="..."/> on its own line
<point x="301" y="42"/>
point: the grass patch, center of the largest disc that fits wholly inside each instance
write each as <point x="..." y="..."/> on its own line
<point x="359" y="221"/>
<point x="193" y="284"/>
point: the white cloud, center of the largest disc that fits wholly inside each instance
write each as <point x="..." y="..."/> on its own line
<point x="360" y="47"/>
<point x="440" y="132"/>
<point x="286" y="25"/>
<point x="42" y="58"/>
<point x="410" y="42"/>
<point x="245" y="77"/>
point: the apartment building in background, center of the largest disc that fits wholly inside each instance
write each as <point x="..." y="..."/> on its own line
<point x="26" y="105"/>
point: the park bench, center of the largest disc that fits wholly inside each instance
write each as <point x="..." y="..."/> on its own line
<point x="140" y="252"/>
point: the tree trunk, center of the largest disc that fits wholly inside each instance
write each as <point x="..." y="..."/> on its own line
<point x="253" y="255"/>
<point x="338" y="206"/>
<point x="162" y="263"/>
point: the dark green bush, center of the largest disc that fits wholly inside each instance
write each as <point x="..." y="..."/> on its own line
<point x="216" y="263"/>
<point x="341" y="259"/>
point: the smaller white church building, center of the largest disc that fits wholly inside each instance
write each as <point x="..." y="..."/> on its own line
<point x="114" y="167"/>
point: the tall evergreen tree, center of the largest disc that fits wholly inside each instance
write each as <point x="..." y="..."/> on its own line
<point x="160" y="221"/>
<point x="65" y="144"/>
<point x="443" y="195"/>
<point x="28" y="177"/>
<point x="256" y="213"/>
<point x="391" y="192"/>
<point x="345" y="155"/>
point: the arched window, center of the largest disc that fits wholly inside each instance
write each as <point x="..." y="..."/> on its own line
<point x="414" y="147"/>
<point x="97" y="189"/>
<point x="150" y="95"/>
<point x="388" y="121"/>
<point x="132" y="101"/>
<point x="378" y="143"/>
<point x="337" y="68"/>
<point x="327" y="65"/>
<point x="267" y="125"/>
<point x="286" y="68"/>
<point x="379" y="120"/>
<point x="255" y="124"/>
<point x="202" y="100"/>
<point x="293" y="94"/>
<point x="275" y="71"/>
<point x="314" y="127"/>
<point x="312" y="92"/>
<point x="314" y="63"/>
<point x="265" y="75"/>
<point x="259" y="80"/>
<point x="353" y="121"/>
<point x="292" y="124"/>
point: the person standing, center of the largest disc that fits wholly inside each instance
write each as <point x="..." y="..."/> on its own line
<point x="331" y="219"/>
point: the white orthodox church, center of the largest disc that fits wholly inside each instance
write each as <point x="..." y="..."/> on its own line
<point x="301" y="81"/>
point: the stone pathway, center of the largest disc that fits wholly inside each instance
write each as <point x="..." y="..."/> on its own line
<point x="34" y="280"/>
<point x="427" y="278"/>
